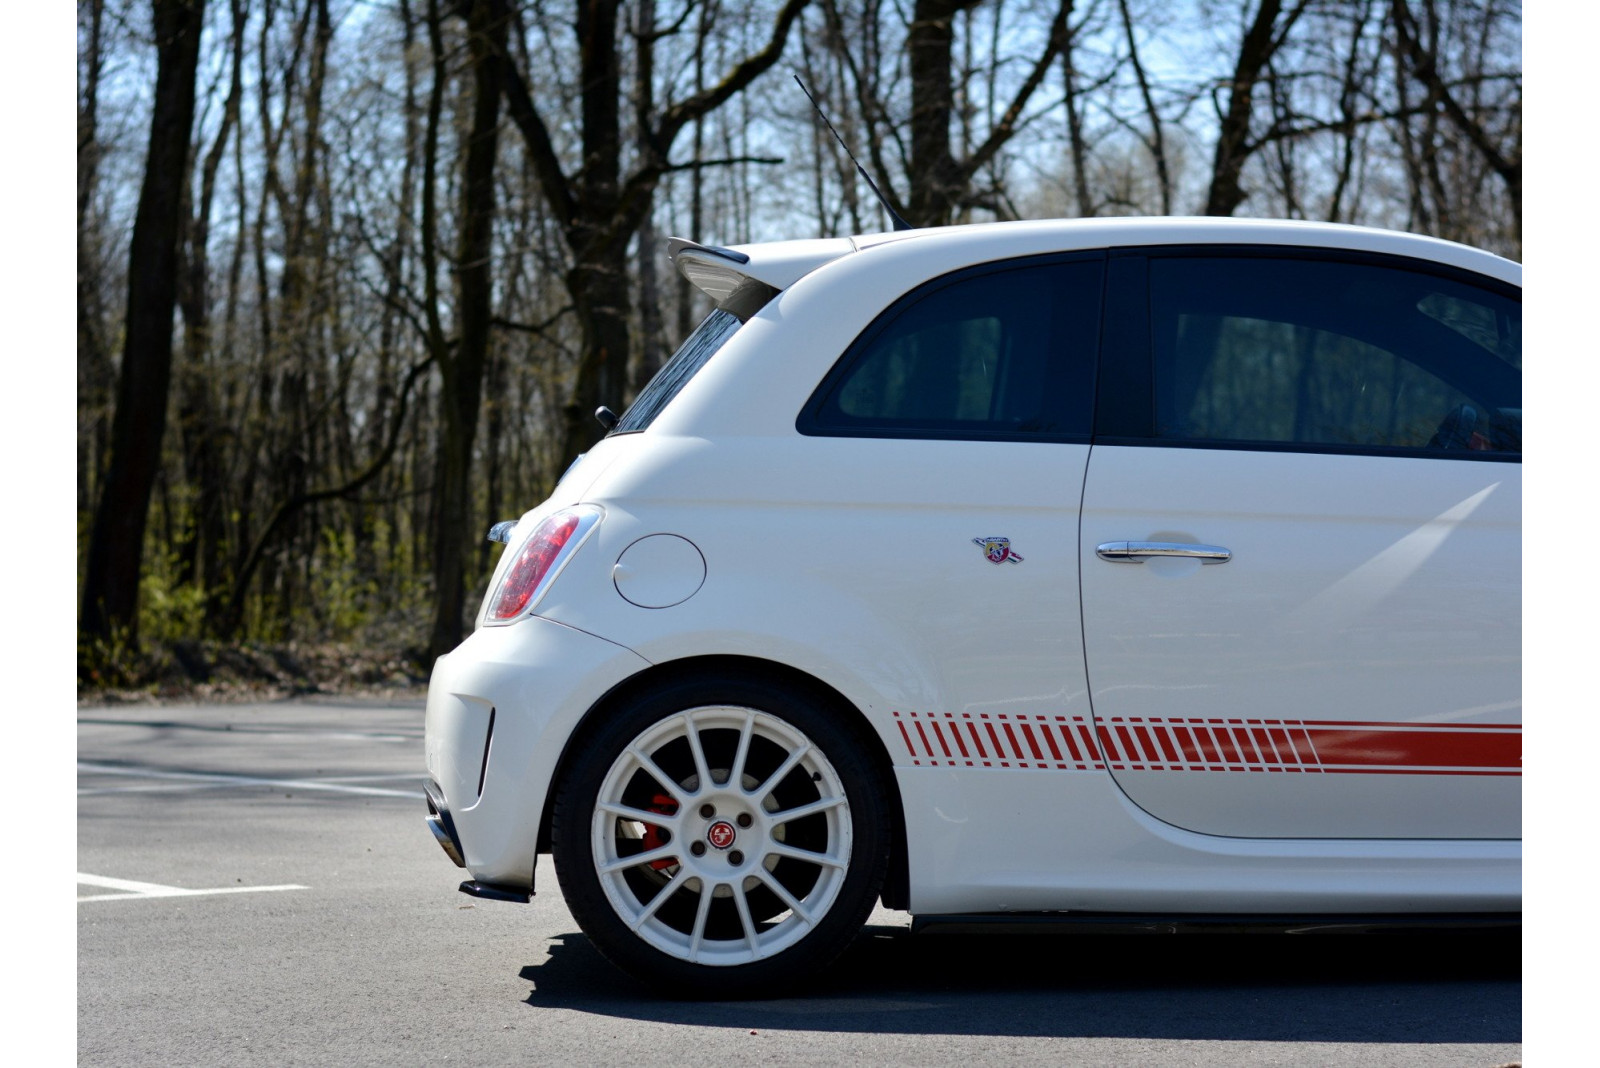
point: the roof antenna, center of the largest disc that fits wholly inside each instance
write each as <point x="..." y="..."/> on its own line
<point x="894" y="217"/>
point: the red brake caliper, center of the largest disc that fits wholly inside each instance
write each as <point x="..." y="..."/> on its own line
<point x="653" y="838"/>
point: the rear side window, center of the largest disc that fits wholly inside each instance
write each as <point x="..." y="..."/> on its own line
<point x="1303" y="352"/>
<point x="989" y="354"/>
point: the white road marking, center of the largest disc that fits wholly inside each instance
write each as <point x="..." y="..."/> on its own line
<point x="338" y="736"/>
<point x="184" y="787"/>
<point x="131" y="889"/>
<point x="257" y="731"/>
<point x="247" y="780"/>
<point x="159" y="788"/>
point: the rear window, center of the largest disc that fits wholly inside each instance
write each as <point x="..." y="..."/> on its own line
<point x="733" y="310"/>
<point x="714" y="330"/>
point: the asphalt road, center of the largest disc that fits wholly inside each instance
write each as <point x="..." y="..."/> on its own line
<point x="335" y="936"/>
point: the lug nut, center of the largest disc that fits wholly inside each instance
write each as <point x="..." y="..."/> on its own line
<point x="736" y="858"/>
<point x="744" y="819"/>
<point x="707" y="811"/>
<point x="697" y="848"/>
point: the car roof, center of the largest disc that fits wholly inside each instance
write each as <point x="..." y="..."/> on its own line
<point x="780" y="264"/>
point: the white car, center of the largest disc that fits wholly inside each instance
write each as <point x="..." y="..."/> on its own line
<point x="1139" y="567"/>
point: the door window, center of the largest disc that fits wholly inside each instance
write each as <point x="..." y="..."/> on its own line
<point x="1333" y="355"/>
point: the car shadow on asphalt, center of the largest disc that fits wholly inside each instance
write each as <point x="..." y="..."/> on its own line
<point x="1407" y="987"/>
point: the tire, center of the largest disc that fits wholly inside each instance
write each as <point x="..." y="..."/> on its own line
<point x="794" y="848"/>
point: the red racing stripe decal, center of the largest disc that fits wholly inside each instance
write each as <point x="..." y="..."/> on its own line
<point x="955" y="732"/>
<point x="999" y="749"/>
<point x="1072" y="745"/>
<point x="973" y="729"/>
<point x="1050" y="740"/>
<point x="1366" y="747"/>
<point x="1033" y="743"/>
<point x="909" y="747"/>
<point x="1174" y="743"/>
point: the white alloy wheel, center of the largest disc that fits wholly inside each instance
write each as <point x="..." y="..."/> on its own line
<point x="721" y="835"/>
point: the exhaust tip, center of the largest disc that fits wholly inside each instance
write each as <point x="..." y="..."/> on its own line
<point x="442" y="826"/>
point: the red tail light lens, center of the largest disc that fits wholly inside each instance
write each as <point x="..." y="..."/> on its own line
<point x="537" y="561"/>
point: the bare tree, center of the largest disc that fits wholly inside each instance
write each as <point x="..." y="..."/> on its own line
<point x="95" y="371"/>
<point x="1154" y="141"/>
<point x="116" y="541"/>
<point x="1419" y="50"/>
<point x="202" y="543"/>
<point x="462" y="364"/>
<point x="1268" y="29"/>
<point x="395" y="322"/>
<point x="940" y="184"/>
<point x="600" y="210"/>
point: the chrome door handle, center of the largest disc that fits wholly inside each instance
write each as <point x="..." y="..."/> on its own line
<point x="1137" y="552"/>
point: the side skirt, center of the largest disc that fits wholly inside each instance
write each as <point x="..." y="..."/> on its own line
<point x="1023" y="923"/>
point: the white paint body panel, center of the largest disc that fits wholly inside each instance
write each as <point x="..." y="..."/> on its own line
<point x="1377" y="590"/>
<point x="541" y="678"/>
<point x="1010" y="841"/>
<point x="852" y="560"/>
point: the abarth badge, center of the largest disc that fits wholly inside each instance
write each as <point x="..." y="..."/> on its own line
<point x="998" y="550"/>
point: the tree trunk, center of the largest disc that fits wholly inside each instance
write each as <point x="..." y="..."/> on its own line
<point x="95" y="372"/>
<point x="116" y="542"/>
<point x="651" y="354"/>
<point x="1156" y="143"/>
<point x="686" y="296"/>
<point x="461" y="373"/>
<point x="1234" y="146"/>
<point x="201" y="544"/>
<point x="599" y="288"/>
<point x="936" y="183"/>
<point x="940" y="184"/>
<point x="1077" y="146"/>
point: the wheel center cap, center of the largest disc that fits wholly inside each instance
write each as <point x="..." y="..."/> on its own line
<point x="721" y="834"/>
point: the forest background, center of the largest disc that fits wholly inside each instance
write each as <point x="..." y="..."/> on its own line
<point x="352" y="275"/>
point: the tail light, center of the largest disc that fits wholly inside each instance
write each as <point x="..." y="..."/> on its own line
<point x="539" y="559"/>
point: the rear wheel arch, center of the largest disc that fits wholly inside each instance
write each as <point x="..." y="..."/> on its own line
<point x="896" y="889"/>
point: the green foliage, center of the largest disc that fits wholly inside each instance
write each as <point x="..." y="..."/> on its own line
<point x="344" y="596"/>
<point x="106" y="664"/>
<point x="170" y="609"/>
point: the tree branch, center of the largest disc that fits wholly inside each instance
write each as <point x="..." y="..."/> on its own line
<point x="673" y="168"/>
<point x="684" y="112"/>
<point x="532" y="328"/>
<point x="541" y="150"/>
<point x="289" y="507"/>
<point x="1001" y="132"/>
<point x="636" y="194"/>
<point x="1424" y="65"/>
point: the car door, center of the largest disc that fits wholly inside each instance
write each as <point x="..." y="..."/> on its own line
<point x="1300" y="546"/>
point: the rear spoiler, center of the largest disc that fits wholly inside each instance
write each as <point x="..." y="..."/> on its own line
<point x="726" y="273"/>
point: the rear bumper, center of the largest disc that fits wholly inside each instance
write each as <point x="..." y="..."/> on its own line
<point x="444" y="831"/>
<point x="501" y="708"/>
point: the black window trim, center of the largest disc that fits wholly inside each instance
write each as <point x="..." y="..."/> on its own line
<point x="808" y="424"/>
<point x="1125" y="400"/>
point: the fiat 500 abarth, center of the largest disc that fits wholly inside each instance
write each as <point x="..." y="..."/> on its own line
<point x="1086" y="568"/>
